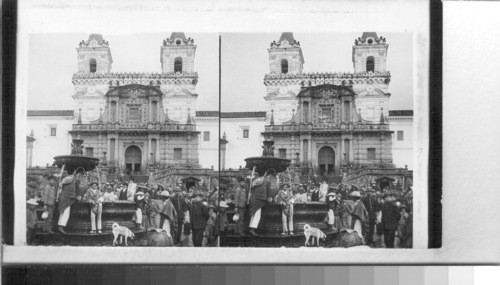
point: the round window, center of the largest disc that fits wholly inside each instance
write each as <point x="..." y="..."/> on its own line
<point x="370" y="41"/>
<point x="178" y="42"/>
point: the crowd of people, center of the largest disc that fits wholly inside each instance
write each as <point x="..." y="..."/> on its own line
<point x="191" y="217"/>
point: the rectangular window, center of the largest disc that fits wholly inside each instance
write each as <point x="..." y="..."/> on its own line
<point x="177" y="153"/>
<point x="282" y="152"/>
<point x="400" y="135"/>
<point x="246" y="133"/>
<point x="206" y="136"/>
<point x="371" y="153"/>
<point x="89" y="151"/>
<point x="53" y="132"/>
<point x="134" y="114"/>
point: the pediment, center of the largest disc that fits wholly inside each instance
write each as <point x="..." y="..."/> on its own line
<point x="134" y="91"/>
<point x="326" y="91"/>
<point x="371" y="91"/>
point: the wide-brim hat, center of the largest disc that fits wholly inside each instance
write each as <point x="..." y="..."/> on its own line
<point x="316" y="184"/>
<point x="404" y="206"/>
<point x="32" y="184"/>
<point x="283" y="185"/>
<point x="355" y="194"/>
<point x="197" y="193"/>
<point x="139" y="193"/>
<point x="331" y="194"/>
<point x="369" y="190"/>
<point x="240" y="178"/>
<point x="32" y="201"/>
<point x="258" y="181"/>
<point x="211" y="206"/>
<point x="163" y="194"/>
<point x="92" y="183"/>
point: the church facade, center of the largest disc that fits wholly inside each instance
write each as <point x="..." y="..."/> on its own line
<point x="328" y="120"/>
<point x="133" y="121"/>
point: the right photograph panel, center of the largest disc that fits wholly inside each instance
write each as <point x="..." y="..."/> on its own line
<point x="317" y="139"/>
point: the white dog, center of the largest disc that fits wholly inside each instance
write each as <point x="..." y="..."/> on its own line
<point x="119" y="231"/>
<point x="313" y="232"/>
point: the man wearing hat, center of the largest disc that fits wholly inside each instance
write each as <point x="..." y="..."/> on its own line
<point x="49" y="201"/>
<point x="31" y="220"/>
<point x="259" y="198"/>
<point x="67" y="197"/>
<point x="140" y="205"/>
<point x="199" y="217"/>
<point x="182" y="211"/>
<point x="315" y="193"/>
<point x="390" y="219"/>
<point x="285" y="200"/>
<point x="374" y="212"/>
<point x="240" y="202"/>
<point x="95" y="199"/>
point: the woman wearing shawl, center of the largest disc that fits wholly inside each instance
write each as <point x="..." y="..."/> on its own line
<point x="359" y="215"/>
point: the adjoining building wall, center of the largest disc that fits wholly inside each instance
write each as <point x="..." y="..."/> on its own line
<point x="240" y="147"/>
<point x="46" y="145"/>
<point x="208" y="139"/>
<point x="401" y="122"/>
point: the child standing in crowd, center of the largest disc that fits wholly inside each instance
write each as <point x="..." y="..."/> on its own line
<point x="140" y="205"/>
<point x="49" y="201"/>
<point x="301" y="197"/>
<point x="31" y="220"/>
<point x="110" y="195"/>
<point x="211" y="223"/>
<point x="122" y="192"/>
<point x="240" y="202"/>
<point x="285" y="200"/>
<point x="330" y="201"/>
<point x="94" y="198"/>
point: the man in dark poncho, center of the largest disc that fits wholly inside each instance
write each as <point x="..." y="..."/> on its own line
<point x="374" y="213"/>
<point x="259" y="198"/>
<point x="67" y="197"/>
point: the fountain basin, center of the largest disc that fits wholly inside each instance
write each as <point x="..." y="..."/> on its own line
<point x="72" y="162"/>
<point x="263" y="163"/>
<point x="120" y="212"/>
<point x="312" y="213"/>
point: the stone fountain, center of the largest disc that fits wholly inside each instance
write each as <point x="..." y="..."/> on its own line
<point x="267" y="161"/>
<point x="270" y="227"/>
<point x="76" y="158"/>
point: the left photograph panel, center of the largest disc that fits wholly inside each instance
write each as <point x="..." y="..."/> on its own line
<point x="122" y="134"/>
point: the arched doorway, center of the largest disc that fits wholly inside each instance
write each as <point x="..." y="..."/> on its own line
<point x="326" y="160"/>
<point x="133" y="158"/>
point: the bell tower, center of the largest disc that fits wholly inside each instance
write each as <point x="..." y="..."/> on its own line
<point x="285" y="56"/>
<point x="94" y="55"/>
<point x="177" y="54"/>
<point x="369" y="53"/>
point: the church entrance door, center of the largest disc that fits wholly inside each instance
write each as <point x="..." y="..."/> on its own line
<point x="326" y="160"/>
<point x="133" y="158"/>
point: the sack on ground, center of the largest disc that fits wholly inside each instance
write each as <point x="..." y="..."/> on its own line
<point x="350" y="238"/>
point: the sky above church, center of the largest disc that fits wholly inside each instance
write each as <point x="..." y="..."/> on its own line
<point x="245" y="61"/>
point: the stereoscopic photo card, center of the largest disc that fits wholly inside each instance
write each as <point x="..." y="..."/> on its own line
<point x="264" y="134"/>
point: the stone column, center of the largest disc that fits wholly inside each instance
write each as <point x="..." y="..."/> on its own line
<point x="301" y="148"/>
<point x="342" y="115"/>
<point x="150" y="112"/>
<point x="309" y="119"/>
